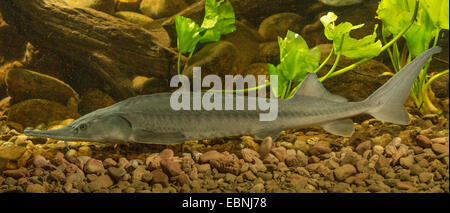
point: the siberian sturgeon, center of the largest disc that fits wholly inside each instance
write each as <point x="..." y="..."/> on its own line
<point x="150" y="119"/>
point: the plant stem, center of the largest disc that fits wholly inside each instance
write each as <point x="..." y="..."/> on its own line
<point x="288" y="90"/>
<point x="338" y="57"/>
<point x="435" y="77"/>
<point x="325" y="61"/>
<point x="241" y="90"/>
<point x="179" y="62"/>
<point x="428" y="105"/>
<point x="386" y="46"/>
<point x="390" y="56"/>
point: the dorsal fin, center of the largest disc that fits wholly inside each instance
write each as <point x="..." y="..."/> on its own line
<point x="312" y="87"/>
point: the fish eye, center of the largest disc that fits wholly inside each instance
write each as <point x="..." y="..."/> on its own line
<point x="82" y="126"/>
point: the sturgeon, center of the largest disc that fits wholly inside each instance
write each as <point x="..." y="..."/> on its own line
<point x="149" y="119"/>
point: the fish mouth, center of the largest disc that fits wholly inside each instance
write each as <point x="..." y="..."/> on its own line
<point x="64" y="133"/>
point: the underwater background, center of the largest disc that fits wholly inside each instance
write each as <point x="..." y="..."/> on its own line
<point x="62" y="59"/>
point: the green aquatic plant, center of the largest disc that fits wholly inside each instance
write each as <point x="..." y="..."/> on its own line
<point x="219" y="19"/>
<point x="424" y="31"/>
<point x="296" y="60"/>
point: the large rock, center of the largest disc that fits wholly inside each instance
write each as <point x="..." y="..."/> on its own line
<point x="133" y="17"/>
<point x="247" y="41"/>
<point x="36" y="111"/>
<point x="256" y="69"/>
<point x="278" y="25"/>
<point x="25" y="84"/>
<point x="106" y="6"/>
<point x="144" y="85"/>
<point x="3" y="71"/>
<point x="147" y="23"/>
<point x="269" y="52"/>
<point x="440" y="86"/>
<point x="128" y="5"/>
<point x="161" y="8"/>
<point x="218" y="58"/>
<point x="93" y="100"/>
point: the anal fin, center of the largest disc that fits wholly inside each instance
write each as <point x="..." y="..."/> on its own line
<point x="343" y="127"/>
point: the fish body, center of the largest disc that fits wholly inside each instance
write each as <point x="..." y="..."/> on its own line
<point x="151" y="119"/>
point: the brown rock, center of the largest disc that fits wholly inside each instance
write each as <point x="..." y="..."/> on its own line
<point x="319" y="149"/>
<point x="40" y="161"/>
<point x="26" y="84"/>
<point x="144" y="85"/>
<point x="138" y="173"/>
<point x="93" y="166"/>
<point x="17" y="173"/>
<point x="404" y="185"/>
<point x="357" y="87"/>
<point x="269" y="52"/>
<point x="170" y="167"/>
<point x="166" y="154"/>
<point x="278" y="25"/>
<point x="226" y="166"/>
<point x="362" y="147"/>
<point x="93" y="100"/>
<point x="423" y="141"/>
<point x="127" y="5"/>
<point x="439" y="148"/>
<point x="33" y="112"/>
<point x="161" y="8"/>
<point x="220" y="58"/>
<point x="160" y="177"/>
<point x="57" y="175"/>
<point x="117" y="173"/>
<point x="105" y="181"/>
<point x="246" y="40"/>
<point x="11" y="152"/>
<point x="35" y="188"/>
<point x="249" y="154"/>
<point x="344" y="172"/>
<point x="292" y="161"/>
<point x="279" y="153"/>
<point x="270" y="159"/>
<point x="211" y="155"/>
<point x="59" y="159"/>
<point x="265" y="147"/>
<point x="109" y="162"/>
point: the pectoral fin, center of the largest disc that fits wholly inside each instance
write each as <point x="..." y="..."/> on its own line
<point x="150" y="137"/>
<point x="343" y="128"/>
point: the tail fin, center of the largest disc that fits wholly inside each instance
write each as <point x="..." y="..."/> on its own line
<point x="387" y="101"/>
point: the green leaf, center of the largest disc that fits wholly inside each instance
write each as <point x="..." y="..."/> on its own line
<point x="395" y="14"/>
<point x="346" y="45"/>
<point x="282" y="82"/>
<point x="438" y="11"/>
<point x="292" y="42"/>
<point x="366" y="47"/>
<point x="219" y="20"/>
<point x="430" y="19"/>
<point x="333" y="32"/>
<point x="188" y="34"/>
<point x="296" y="60"/>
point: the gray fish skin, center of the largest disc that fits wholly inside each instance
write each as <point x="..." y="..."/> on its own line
<point x="150" y="119"/>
